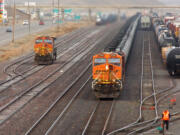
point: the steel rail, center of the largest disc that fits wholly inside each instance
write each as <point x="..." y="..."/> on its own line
<point x="153" y="124"/>
<point x="108" y="118"/>
<point x="152" y="75"/>
<point x="93" y="114"/>
<point x="57" y="100"/>
<point x="135" y="124"/>
<point x="153" y="85"/>
<point x="67" y="106"/>
<point x="90" y="118"/>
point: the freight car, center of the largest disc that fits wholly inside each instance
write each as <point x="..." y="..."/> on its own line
<point x="45" y="53"/>
<point x="145" y="22"/>
<point x="173" y="60"/>
<point x="165" y="39"/>
<point x="170" y="53"/>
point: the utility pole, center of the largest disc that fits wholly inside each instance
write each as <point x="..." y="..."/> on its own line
<point x="52" y="11"/>
<point x="119" y="14"/>
<point x="90" y="17"/>
<point x="29" y="18"/>
<point x="13" y="22"/>
<point x="62" y="13"/>
<point x="58" y="15"/>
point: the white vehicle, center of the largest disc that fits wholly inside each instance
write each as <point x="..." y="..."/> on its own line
<point x="25" y="22"/>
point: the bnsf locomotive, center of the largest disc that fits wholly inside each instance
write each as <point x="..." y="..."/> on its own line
<point x="108" y="70"/>
<point x="108" y="74"/>
<point x="45" y="53"/>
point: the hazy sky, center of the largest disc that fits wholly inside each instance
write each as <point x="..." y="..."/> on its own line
<point x="167" y="2"/>
<point x="171" y="2"/>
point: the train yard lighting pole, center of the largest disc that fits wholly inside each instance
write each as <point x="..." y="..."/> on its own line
<point x="13" y="21"/>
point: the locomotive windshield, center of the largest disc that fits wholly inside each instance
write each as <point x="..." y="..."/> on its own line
<point x="39" y="41"/>
<point x="114" y="61"/>
<point x="99" y="61"/>
<point x="48" y="41"/>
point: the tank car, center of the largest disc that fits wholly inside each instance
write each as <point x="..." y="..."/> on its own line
<point x="165" y="39"/>
<point x="173" y="60"/>
<point x="45" y="53"/>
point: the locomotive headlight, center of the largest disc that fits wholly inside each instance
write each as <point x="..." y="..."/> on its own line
<point x="107" y="67"/>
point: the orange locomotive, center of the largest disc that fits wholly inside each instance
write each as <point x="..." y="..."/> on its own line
<point x="45" y="53"/>
<point x="108" y="74"/>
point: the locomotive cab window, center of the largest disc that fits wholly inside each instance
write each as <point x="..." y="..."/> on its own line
<point x="114" y="61"/>
<point x="99" y="61"/>
<point x="48" y="41"/>
<point x="39" y="41"/>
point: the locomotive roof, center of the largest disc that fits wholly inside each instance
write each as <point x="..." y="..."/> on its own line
<point x="43" y="37"/>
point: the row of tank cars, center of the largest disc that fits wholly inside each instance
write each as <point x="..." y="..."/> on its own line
<point x="166" y="30"/>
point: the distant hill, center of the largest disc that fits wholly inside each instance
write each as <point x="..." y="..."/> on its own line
<point x="93" y="2"/>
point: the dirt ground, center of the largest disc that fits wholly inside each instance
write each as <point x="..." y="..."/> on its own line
<point x="25" y="44"/>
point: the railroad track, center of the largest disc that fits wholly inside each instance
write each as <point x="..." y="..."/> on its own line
<point x="11" y="70"/>
<point x="56" y="111"/>
<point x="148" y="101"/>
<point x="19" y="76"/>
<point x="27" y="95"/>
<point x="147" y="83"/>
<point x="65" y="98"/>
<point x="99" y="118"/>
<point x="141" y="125"/>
